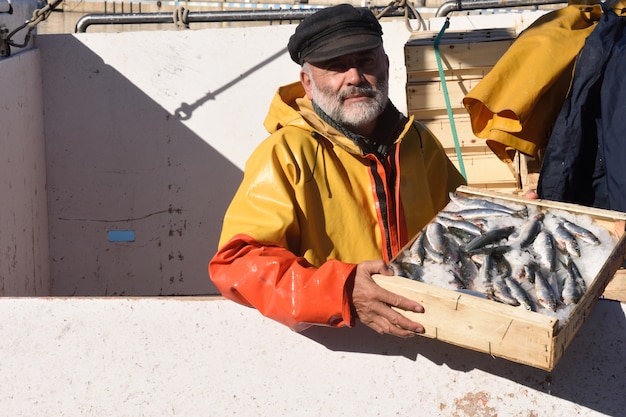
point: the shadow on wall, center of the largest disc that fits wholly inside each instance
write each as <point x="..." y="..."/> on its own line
<point x="581" y="377"/>
<point x="135" y="197"/>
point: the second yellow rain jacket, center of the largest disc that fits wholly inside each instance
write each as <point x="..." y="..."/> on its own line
<point x="312" y="205"/>
<point x="514" y="107"/>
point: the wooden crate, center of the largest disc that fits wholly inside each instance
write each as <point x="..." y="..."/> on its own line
<point x="466" y="57"/>
<point x="501" y="330"/>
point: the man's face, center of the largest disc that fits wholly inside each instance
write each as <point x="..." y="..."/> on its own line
<point x="352" y="89"/>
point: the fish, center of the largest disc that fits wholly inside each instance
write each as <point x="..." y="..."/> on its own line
<point x="480" y="203"/>
<point x="518" y="292"/>
<point x="474" y="213"/>
<point x="501" y="291"/>
<point x="489" y="237"/>
<point x="433" y="255"/>
<point x="565" y="241"/>
<point x="435" y="237"/>
<point x="469" y="271"/>
<point x="464" y="226"/>
<point x="457" y="280"/>
<point x="545" y="248"/>
<point x="573" y="271"/>
<point x="544" y="293"/>
<point x="581" y="233"/>
<point x="417" y="249"/>
<point x="529" y="230"/>
<point x="452" y="252"/>
<point x="571" y="292"/>
<point x="407" y="269"/>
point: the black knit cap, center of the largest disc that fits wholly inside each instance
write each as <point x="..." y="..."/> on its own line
<point x="333" y="32"/>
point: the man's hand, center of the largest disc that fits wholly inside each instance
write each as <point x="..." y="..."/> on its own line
<point x="373" y="303"/>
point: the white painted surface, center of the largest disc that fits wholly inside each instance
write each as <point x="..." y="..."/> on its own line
<point x="24" y="265"/>
<point x="149" y="132"/>
<point x="188" y="357"/>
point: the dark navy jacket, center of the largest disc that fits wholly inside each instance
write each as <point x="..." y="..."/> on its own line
<point x="585" y="159"/>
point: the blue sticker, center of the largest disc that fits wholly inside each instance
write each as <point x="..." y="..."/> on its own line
<point x="121" y="235"/>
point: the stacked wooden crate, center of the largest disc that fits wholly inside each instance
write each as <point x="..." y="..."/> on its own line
<point x="466" y="57"/>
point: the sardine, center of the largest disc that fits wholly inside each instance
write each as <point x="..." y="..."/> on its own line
<point x="433" y="255"/>
<point x="460" y="225"/>
<point x="573" y="271"/>
<point x="565" y="241"/>
<point x="457" y="280"/>
<point x="474" y="213"/>
<point x="502" y="292"/>
<point x="545" y="249"/>
<point x="571" y="292"/>
<point x="406" y="269"/>
<point x="489" y="237"/>
<point x="452" y="252"/>
<point x="544" y="293"/>
<point x="468" y="271"/>
<point x="529" y="230"/>
<point x="435" y="237"/>
<point x="481" y="203"/>
<point x="581" y="233"/>
<point x="417" y="249"/>
<point x="519" y="293"/>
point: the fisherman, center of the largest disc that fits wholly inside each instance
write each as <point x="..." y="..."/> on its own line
<point x="338" y="188"/>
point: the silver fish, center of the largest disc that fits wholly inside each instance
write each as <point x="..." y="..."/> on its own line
<point x="545" y="248"/>
<point x="474" y="213"/>
<point x="581" y="232"/>
<point x="433" y="255"/>
<point x="571" y="292"/>
<point x="417" y="249"/>
<point x="452" y="251"/>
<point x="481" y="203"/>
<point x="501" y="291"/>
<point x="518" y="292"/>
<point x="529" y="230"/>
<point x="573" y="271"/>
<point x="565" y="241"/>
<point x="407" y="269"/>
<point x="457" y="280"/>
<point x="544" y="293"/>
<point x="461" y="225"/>
<point x="469" y="270"/>
<point x="435" y="237"/>
<point x="489" y="237"/>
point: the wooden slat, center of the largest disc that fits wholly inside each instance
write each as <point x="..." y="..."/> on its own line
<point x="454" y="56"/>
<point x="442" y="129"/>
<point x="430" y="95"/>
<point x="484" y="168"/>
<point x="413" y="77"/>
<point x="616" y="288"/>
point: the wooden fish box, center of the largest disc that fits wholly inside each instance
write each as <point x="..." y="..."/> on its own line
<point x="513" y="333"/>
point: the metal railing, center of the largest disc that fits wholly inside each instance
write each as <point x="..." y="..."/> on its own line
<point x="208" y="17"/>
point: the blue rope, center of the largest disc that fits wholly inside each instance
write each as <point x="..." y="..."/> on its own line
<point x="447" y="97"/>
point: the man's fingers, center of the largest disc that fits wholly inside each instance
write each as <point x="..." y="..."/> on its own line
<point x="398" y="301"/>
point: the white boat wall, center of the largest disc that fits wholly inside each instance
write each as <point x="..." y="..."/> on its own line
<point x="120" y="153"/>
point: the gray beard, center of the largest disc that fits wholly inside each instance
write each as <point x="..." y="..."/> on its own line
<point x="354" y="115"/>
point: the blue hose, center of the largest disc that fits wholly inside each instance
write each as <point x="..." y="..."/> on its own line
<point x="447" y="97"/>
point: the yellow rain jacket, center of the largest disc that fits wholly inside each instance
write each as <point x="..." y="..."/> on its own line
<point x="311" y="206"/>
<point x="514" y="107"/>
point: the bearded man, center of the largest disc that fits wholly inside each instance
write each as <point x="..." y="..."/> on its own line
<point x="338" y="188"/>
